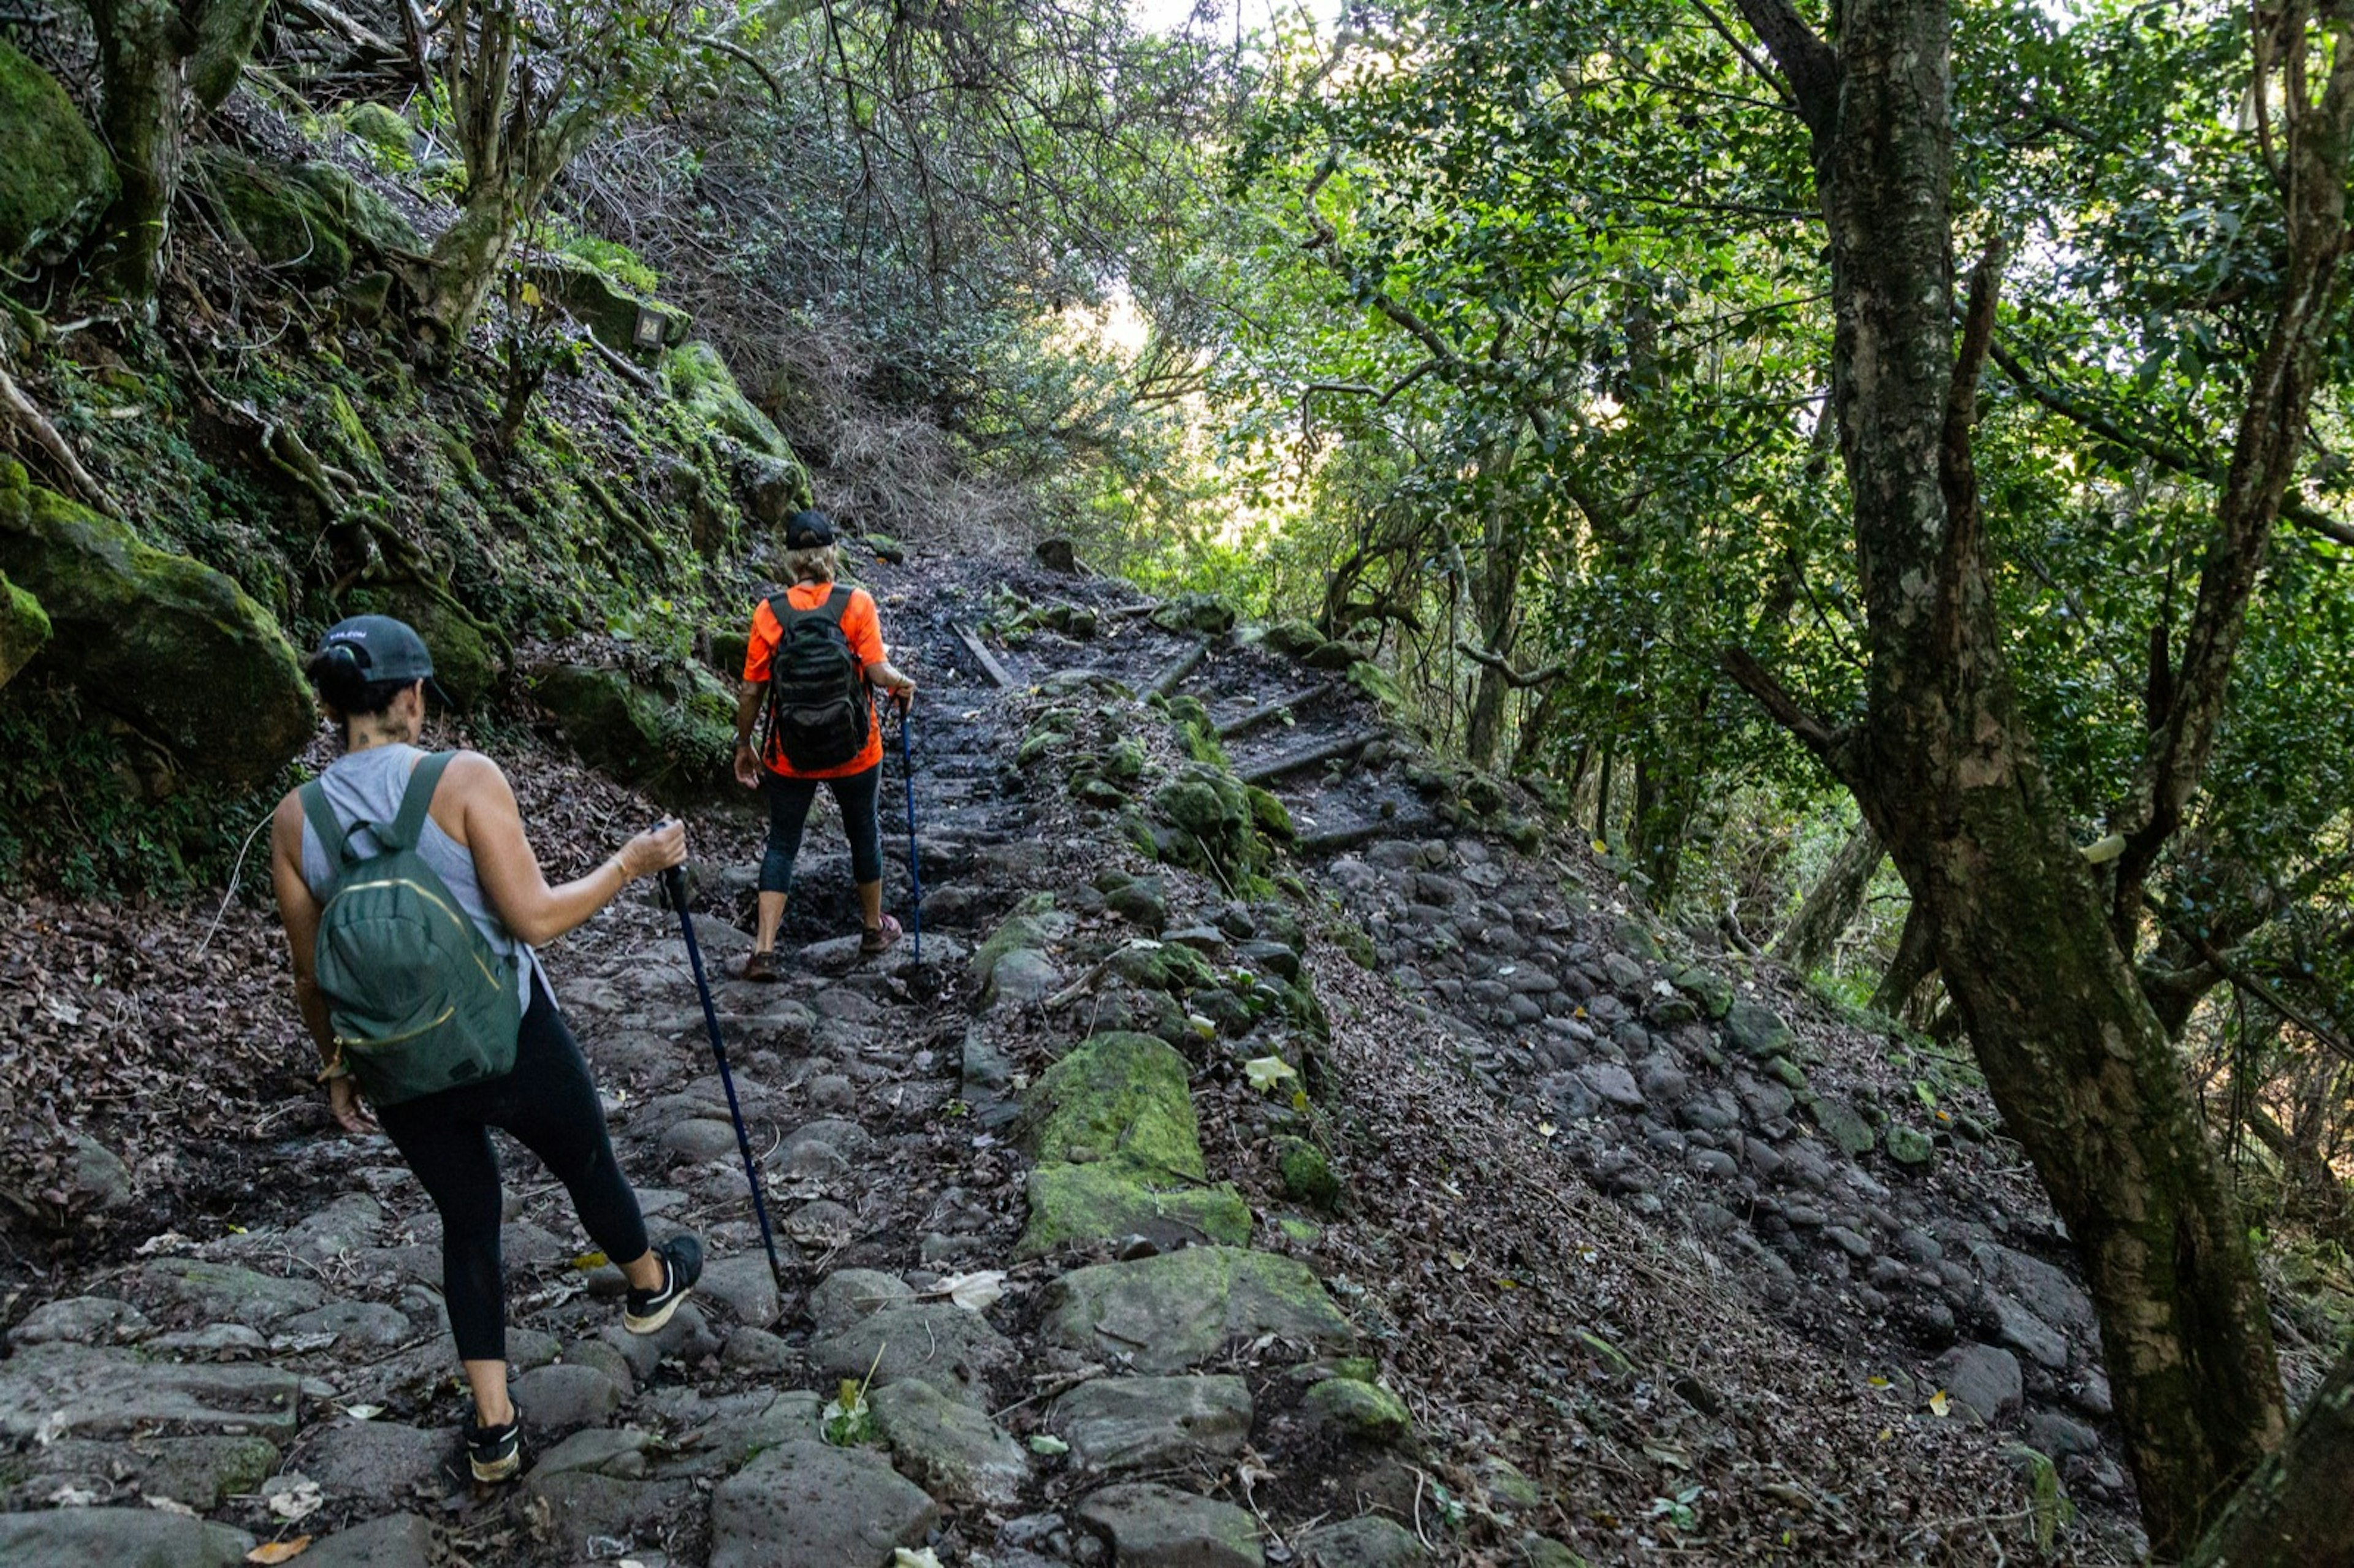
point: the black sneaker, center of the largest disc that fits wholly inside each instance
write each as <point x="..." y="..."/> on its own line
<point x="648" y="1310"/>
<point x="495" y="1453"/>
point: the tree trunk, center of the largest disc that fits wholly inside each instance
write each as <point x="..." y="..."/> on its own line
<point x="1831" y="905"/>
<point x="2293" y="1512"/>
<point x="464" y="264"/>
<point x="1910" y="966"/>
<point x="1495" y="596"/>
<point x="1946" y="770"/>
<point x="139" y="46"/>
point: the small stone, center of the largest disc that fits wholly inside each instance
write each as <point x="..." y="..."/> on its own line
<point x="224" y="1293"/>
<point x="395" y="1541"/>
<point x="1170" y="1312"/>
<point x="567" y="1395"/>
<point x="1147" y="1423"/>
<point x="1907" y="1145"/>
<point x="845" y="1296"/>
<point x="1370" y="1541"/>
<point x="1307" y="1174"/>
<point x="117" y="1538"/>
<point x="952" y="1451"/>
<point x="1153" y="1526"/>
<point x="2024" y="1330"/>
<point x="1848" y="1242"/>
<point x="754" y="1351"/>
<point x="603" y="1450"/>
<point x="2059" y="1437"/>
<point x="82" y="1321"/>
<point x="821" y="1224"/>
<point x="746" y="1285"/>
<point x="1757" y="1030"/>
<point x="806" y="1504"/>
<point x="699" y="1141"/>
<point x="377" y="1462"/>
<point x="833" y="1092"/>
<point x="355" y="1325"/>
<point x="1984" y="1379"/>
<point x="1612" y="1084"/>
<point x="1365" y="1411"/>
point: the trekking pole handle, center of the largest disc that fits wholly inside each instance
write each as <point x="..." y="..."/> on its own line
<point x="671" y="879"/>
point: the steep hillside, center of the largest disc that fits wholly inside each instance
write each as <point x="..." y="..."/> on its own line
<point x="1278" y="1153"/>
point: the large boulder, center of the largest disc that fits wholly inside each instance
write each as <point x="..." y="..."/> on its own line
<point x="770" y="482"/>
<point x="24" y="627"/>
<point x="118" y="1538"/>
<point x="1174" y="1311"/>
<point x="675" y="742"/>
<point x="160" y="640"/>
<point x="55" y="176"/>
<point x="304" y="219"/>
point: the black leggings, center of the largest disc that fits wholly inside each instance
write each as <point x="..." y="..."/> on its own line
<point x="550" y="1105"/>
<point x="788" y="804"/>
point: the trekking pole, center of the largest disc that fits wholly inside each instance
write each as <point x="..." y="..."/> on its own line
<point x="673" y="890"/>
<point x="914" y="865"/>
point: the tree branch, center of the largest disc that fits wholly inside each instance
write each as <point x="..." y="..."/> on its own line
<point x="1812" y="733"/>
<point x="1809" y="66"/>
<point x="2168" y="456"/>
<point x="1516" y="679"/>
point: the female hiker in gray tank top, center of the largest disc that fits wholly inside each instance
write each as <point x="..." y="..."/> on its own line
<point x="370" y="674"/>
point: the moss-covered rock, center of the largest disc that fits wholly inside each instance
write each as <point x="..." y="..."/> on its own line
<point x="1174" y="1311"/>
<point x="381" y="127"/>
<point x="1202" y="613"/>
<point x="1216" y="830"/>
<point x="1307" y="1174"/>
<point x="55" y="176"/>
<point x="24" y="627"/>
<point x="1292" y="639"/>
<point x="1363" y="1411"/>
<point x="699" y="379"/>
<point x="162" y="641"/>
<point x="286" y="225"/>
<point x="1268" y="811"/>
<point x="606" y="305"/>
<point x="1711" y="991"/>
<point x="1035" y="922"/>
<point x="676" y="744"/>
<point x="1119" y="1098"/>
<point x="1077" y="1204"/>
<point x="1168" y="967"/>
<point x="1333" y="657"/>
<point x="1909" y="1146"/>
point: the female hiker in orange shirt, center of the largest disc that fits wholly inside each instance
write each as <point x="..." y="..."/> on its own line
<point x="814" y="657"/>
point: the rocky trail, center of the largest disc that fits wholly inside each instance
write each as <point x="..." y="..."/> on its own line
<point x="1283" y="1152"/>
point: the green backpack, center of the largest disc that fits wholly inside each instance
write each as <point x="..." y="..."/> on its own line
<point x="419" y="1000"/>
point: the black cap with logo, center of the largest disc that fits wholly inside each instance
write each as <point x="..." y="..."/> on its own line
<point x="383" y="648"/>
<point x="808" y="530"/>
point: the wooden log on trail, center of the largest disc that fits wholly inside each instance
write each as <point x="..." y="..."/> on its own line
<point x="988" y="660"/>
<point x="1331" y="841"/>
<point x="1174" y="676"/>
<point x="1348" y="745"/>
<point x="1260" y="715"/>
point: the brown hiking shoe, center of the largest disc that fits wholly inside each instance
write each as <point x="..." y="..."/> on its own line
<point x="879" y="938"/>
<point x="760" y="966"/>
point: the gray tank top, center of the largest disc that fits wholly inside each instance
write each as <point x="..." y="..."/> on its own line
<point x="366" y="787"/>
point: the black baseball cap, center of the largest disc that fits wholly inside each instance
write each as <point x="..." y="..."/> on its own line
<point x="808" y="530"/>
<point x="385" y="650"/>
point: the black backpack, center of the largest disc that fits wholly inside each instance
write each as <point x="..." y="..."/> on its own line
<point x="819" y="713"/>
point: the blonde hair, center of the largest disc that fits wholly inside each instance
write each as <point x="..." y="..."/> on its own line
<point x="822" y="564"/>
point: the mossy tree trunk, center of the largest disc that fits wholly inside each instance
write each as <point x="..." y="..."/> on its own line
<point x="154" y="57"/>
<point x="1944" y="763"/>
<point x="2293" y="1512"/>
<point x="1831" y="905"/>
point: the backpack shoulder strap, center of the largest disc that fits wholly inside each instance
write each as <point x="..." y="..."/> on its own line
<point x="837" y="602"/>
<point x="335" y="839"/>
<point x="423" y="779"/>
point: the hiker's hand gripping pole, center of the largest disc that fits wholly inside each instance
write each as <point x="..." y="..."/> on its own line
<point x="673" y="891"/>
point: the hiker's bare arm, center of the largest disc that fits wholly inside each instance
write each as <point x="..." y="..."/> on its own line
<point x="491" y="827"/>
<point x="748" y="708"/>
<point x="299" y="912"/>
<point x="890" y="677"/>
